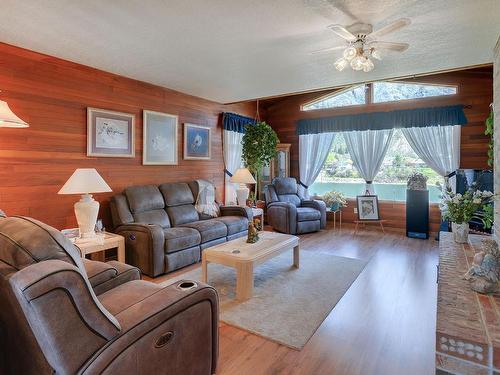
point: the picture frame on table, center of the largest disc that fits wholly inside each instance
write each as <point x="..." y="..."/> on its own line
<point x="110" y="133"/>
<point x="160" y="138"/>
<point x="197" y="142"/>
<point x="368" y="208"/>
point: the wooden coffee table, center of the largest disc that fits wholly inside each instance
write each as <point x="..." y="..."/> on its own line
<point x="244" y="257"/>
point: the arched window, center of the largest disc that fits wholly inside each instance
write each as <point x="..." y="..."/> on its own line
<point x="355" y="95"/>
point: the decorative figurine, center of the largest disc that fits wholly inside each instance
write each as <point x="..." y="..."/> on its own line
<point x="484" y="274"/>
<point x="253" y="235"/>
<point x="417" y="181"/>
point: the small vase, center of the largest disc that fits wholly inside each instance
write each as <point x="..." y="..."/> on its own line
<point x="460" y="232"/>
<point x="335" y="206"/>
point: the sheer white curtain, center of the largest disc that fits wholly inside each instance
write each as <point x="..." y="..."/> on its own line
<point x="438" y="146"/>
<point x="313" y="151"/>
<point x="367" y="149"/>
<point x="232" y="161"/>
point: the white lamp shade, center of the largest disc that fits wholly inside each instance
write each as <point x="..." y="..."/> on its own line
<point x="85" y="181"/>
<point x="243" y="176"/>
<point x="8" y="119"/>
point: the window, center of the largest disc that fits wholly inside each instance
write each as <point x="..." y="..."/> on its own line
<point x="339" y="173"/>
<point x="353" y="96"/>
<point x="394" y="91"/>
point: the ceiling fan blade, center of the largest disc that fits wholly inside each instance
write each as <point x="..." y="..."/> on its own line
<point x="327" y="50"/>
<point x="398" y="47"/>
<point x="342" y="32"/>
<point x="396" y="25"/>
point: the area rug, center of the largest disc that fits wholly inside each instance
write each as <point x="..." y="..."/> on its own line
<point x="288" y="304"/>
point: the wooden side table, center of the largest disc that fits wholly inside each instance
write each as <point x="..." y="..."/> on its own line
<point x="259" y="212"/>
<point x="104" y="242"/>
<point x="339" y="211"/>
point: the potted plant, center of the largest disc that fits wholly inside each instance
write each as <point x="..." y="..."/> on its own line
<point x="461" y="208"/>
<point x="259" y="148"/>
<point x="335" y="200"/>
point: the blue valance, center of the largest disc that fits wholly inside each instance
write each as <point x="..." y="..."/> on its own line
<point x="236" y="123"/>
<point x="409" y="118"/>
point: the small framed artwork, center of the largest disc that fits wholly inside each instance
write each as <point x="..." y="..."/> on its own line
<point x="110" y="133"/>
<point x="197" y="142"/>
<point x="367" y="207"/>
<point x="159" y="138"/>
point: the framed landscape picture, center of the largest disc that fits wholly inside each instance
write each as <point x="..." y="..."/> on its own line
<point x="159" y="138"/>
<point x="110" y="133"/>
<point x="367" y="207"/>
<point x="197" y="142"/>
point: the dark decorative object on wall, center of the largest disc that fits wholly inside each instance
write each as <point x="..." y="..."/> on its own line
<point x="197" y="142"/>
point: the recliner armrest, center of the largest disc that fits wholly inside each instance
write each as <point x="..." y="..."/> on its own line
<point x="282" y="216"/>
<point x="144" y="244"/>
<point x="105" y="276"/>
<point x="317" y="205"/>
<point x="237" y="211"/>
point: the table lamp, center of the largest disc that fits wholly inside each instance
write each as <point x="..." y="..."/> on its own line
<point x="8" y="119"/>
<point x="243" y="177"/>
<point x="85" y="181"/>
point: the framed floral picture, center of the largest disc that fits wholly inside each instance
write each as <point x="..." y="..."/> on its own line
<point x="110" y="133"/>
<point x="159" y="138"/>
<point x="197" y="142"/>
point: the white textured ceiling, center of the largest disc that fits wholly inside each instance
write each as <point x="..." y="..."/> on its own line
<point x="231" y="50"/>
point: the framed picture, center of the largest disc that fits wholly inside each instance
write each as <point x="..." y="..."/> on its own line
<point x="367" y="207"/>
<point x="110" y="133"/>
<point x="197" y="142"/>
<point x="159" y="138"/>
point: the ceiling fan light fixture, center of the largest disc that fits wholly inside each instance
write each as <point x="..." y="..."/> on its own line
<point x="357" y="63"/>
<point x="368" y="65"/>
<point x="340" y="64"/>
<point x="350" y="53"/>
<point x="375" y="54"/>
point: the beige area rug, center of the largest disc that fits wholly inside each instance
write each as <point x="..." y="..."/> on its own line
<point x="288" y="304"/>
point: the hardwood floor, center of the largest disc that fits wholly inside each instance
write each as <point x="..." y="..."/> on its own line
<point x="384" y="324"/>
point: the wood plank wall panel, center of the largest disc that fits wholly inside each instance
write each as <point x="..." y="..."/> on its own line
<point x="52" y="96"/>
<point x="475" y="89"/>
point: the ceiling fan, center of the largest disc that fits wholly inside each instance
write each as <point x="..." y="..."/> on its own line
<point x="362" y="44"/>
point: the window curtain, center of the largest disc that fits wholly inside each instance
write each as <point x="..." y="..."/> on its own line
<point x="234" y="127"/>
<point x="437" y="146"/>
<point x="313" y="151"/>
<point x="367" y="149"/>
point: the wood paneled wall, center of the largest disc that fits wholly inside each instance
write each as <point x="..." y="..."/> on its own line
<point x="475" y="90"/>
<point x="52" y="96"/>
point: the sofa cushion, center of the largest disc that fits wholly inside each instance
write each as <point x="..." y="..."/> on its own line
<point x="99" y="272"/>
<point x="177" y="194"/>
<point x="182" y="214"/>
<point x="211" y="229"/>
<point x="180" y="238"/>
<point x="290" y="198"/>
<point x="285" y="185"/>
<point x="157" y="217"/>
<point x="144" y="198"/>
<point x="234" y="224"/>
<point x="307" y="214"/>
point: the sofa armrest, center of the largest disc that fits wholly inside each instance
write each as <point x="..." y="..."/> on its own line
<point x="282" y="216"/>
<point x="144" y="244"/>
<point x="318" y="205"/>
<point x="237" y="211"/>
<point x="54" y="296"/>
<point x="168" y="322"/>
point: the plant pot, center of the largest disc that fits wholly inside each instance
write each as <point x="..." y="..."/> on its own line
<point x="460" y="232"/>
<point x="261" y="204"/>
<point x="335" y="206"/>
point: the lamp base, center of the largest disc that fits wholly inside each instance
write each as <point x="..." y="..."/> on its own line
<point x="86" y="211"/>
<point x="242" y="195"/>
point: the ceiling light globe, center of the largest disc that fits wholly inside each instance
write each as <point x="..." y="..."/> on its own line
<point x="368" y="65"/>
<point x="376" y="54"/>
<point x="357" y="63"/>
<point x="340" y="64"/>
<point x="349" y="53"/>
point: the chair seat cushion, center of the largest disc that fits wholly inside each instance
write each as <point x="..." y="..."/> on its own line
<point x="211" y="229"/>
<point x="307" y="214"/>
<point x="234" y="224"/>
<point x="180" y="238"/>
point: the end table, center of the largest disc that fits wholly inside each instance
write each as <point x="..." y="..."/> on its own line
<point x="103" y="242"/>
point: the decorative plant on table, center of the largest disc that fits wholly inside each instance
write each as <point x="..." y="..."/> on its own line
<point x="259" y="148"/>
<point x="335" y="200"/>
<point x="461" y="208"/>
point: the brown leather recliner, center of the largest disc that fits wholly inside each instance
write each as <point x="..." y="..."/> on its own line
<point x="289" y="212"/>
<point x="130" y="327"/>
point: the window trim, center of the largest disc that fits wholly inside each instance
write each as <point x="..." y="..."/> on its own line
<point x="372" y="90"/>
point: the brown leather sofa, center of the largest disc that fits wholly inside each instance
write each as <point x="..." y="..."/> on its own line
<point x="65" y="315"/>
<point x="164" y="232"/>
<point x="289" y="212"/>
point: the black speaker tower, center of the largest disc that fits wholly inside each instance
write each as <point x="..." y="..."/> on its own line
<point x="417" y="213"/>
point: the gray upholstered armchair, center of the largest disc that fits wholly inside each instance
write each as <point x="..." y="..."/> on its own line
<point x="289" y="212"/>
<point x="89" y="318"/>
